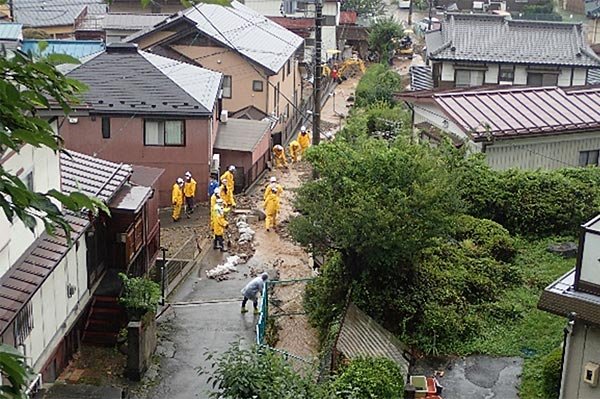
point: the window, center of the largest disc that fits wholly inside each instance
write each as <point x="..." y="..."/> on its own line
<point x="227" y="86"/>
<point x="588" y="158"/>
<point x="257" y="85"/>
<point x="542" y="79"/>
<point x="506" y="73"/>
<point x="105" y="127"/>
<point x="164" y="133"/>
<point x="467" y="78"/>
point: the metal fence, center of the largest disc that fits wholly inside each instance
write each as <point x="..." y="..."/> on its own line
<point x="173" y="268"/>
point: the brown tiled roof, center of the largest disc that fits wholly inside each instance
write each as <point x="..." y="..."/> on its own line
<point x="79" y="172"/>
<point x="348" y="17"/>
<point x="360" y="335"/>
<point x="561" y="299"/>
<point x="517" y="112"/>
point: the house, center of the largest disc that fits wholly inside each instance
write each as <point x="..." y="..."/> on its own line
<point x="47" y="283"/>
<point x="489" y="5"/>
<point x="246" y="144"/>
<point x="478" y="49"/>
<point x="522" y="127"/>
<point x="55" y="18"/>
<point x="292" y="14"/>
<point x="118" y="26"/>
<point x="353" y="32"/>
<point x="11" y="36"/>
<point x="154" y="7"/>
<point x="147" y="110"/>
<point x="256" y="56"/>
<point x="576" y="296"/>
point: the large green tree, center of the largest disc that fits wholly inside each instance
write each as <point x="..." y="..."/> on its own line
<point x="383" y="36"/>
<point x="364" y="7"/>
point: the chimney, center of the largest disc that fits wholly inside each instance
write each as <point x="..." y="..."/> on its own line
<point x="113" y="48"/>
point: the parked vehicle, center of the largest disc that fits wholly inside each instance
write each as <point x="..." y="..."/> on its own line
<point x="404" y="4"/>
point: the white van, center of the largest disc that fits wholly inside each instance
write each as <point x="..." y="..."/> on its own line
<point x="404" y="4"/>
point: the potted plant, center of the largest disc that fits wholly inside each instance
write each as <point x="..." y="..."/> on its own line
<point x="140" y="296"/>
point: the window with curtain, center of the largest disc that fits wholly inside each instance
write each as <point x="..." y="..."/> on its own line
<point x="164" y="133"/>
<point x="468" y="78"/>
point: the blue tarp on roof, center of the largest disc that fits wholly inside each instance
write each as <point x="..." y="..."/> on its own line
<point x="11" y="31"/>
<point x="74" y="48"/>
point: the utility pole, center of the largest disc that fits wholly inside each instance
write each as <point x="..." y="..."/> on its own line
<point x="410" y="10"/>
<point x="318" y="72"/>
<point x="429" y="22"/>
<point x="11" y="10"/>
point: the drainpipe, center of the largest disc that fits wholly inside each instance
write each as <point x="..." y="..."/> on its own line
<point x="567" y="331"/>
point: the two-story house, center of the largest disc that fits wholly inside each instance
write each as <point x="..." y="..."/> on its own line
<point x="576" y="296"/>
<point x="293" y="13"/>
<point x="46" y="281"/>
<point x="478" y="49"/>
<point x="256" y="56"/>
<point x="147" y="110"/>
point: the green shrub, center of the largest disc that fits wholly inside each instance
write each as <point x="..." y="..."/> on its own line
<point x="487" y="235"/>
<point x="140" y="295"/>
<point x="551" y="373"/>
<point x="370" y="377"/>
<point x="378" y="84"/>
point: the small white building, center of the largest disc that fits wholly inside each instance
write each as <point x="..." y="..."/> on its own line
<point x="298" y="16"/>
<point x="524" y="127"/>
<point x="46" y="281"/>
<point x="576" y="295"/>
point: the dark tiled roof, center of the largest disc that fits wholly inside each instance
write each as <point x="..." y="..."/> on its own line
<point x="360" y="335"/>
<point x="561" y="299"/>
<point x="420" y="77"/>
<point x="241" y="134"/>
<point x="127" y="81"/>
<point x="145" y="175"/>
<point x="37" y="13"/>
<point x="490" y="38"/>
<point x="522" y="111"/>
<point x="92" y="176"/>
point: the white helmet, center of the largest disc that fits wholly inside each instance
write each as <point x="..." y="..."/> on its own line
<point x="303" y="129"/>
<point x="179" y="180"/>
<point x="231" y="168"/>
<point x="273" y="179"/>
<point x="188" y="174"/>
<point x="278" y="147"/>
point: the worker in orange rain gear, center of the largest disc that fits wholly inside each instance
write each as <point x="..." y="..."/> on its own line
<point x="219" y="226"/>
<point x="229" y="184"/>
<point x="303" y="139"/>
<point x="271" y="206"/>
<point x="279" y="155"/>
<point x="189" y="191"/>
<point x="268" y="191"/>
<point x="213" y="203"/>
<point x="295" y="150"/>
<point x="177" y="199"/>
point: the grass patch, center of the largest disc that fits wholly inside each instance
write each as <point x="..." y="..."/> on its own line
<point x="532" y="333"/>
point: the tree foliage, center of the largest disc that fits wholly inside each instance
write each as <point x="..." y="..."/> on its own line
<point x="364" y="7"/>
<point x="378" y="85"/>
<point x="370" y="377"/>
<point x="383" y="36"/>
<point x="13" y="369"/>
<point x="551" y="373"/>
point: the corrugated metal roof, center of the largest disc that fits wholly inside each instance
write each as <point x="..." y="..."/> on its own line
<point x="11" y="31"/>
<point x="561" y="298"/>
<point x="360" y="335"/>
<point x="521" y="112"/>
<point x="92" y="176"/>
<point x="36" y="13"/>
<point x="241" y="134"/>
<point x="145" y="175"/>
<point x="420" y="77"/>
<point x="491" y="38"/>
<point x="132" y="21"/>
<point x="75" y="48"/>
<point x="125" y="80"/>
<point x="131" y="198"/>
<point x="242" y="29"/>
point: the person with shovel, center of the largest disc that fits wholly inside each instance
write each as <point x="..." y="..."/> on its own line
<point x="252" y="290"/>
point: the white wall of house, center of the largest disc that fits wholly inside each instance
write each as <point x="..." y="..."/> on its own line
<point x="433" y="115"/>
<point x="583" y="346"/>
<point x="43" y="164"/>
<point x="550" y="152"/>
<point x="567" y="76"/>
<point x="53" y="312"/>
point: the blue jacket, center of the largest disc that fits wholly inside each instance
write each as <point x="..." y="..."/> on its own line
<point x="212" y="186"/>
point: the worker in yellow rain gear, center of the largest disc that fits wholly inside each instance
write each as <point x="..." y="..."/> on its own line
<point x="213" y="203"/>
<point x="219" y="226"/>
<point x="271" y="206"/>
<point x="279" y="155"/>
<point x="177" y="199"/>
<point x="295" y="150"/>
<point x="189" y="191"/>
<point x="303" y="139"/>
<point x="229" y="184"/>
<point x="273" y="182"/>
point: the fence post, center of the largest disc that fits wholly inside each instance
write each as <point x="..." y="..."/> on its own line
<point x="163" y="275"/>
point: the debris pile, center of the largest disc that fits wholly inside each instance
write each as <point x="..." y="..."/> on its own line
<point x="220" y="272"/>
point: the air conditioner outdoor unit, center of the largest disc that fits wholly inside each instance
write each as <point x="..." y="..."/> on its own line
<point x="224" y="116"/>
<point x="215" y="164"/>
